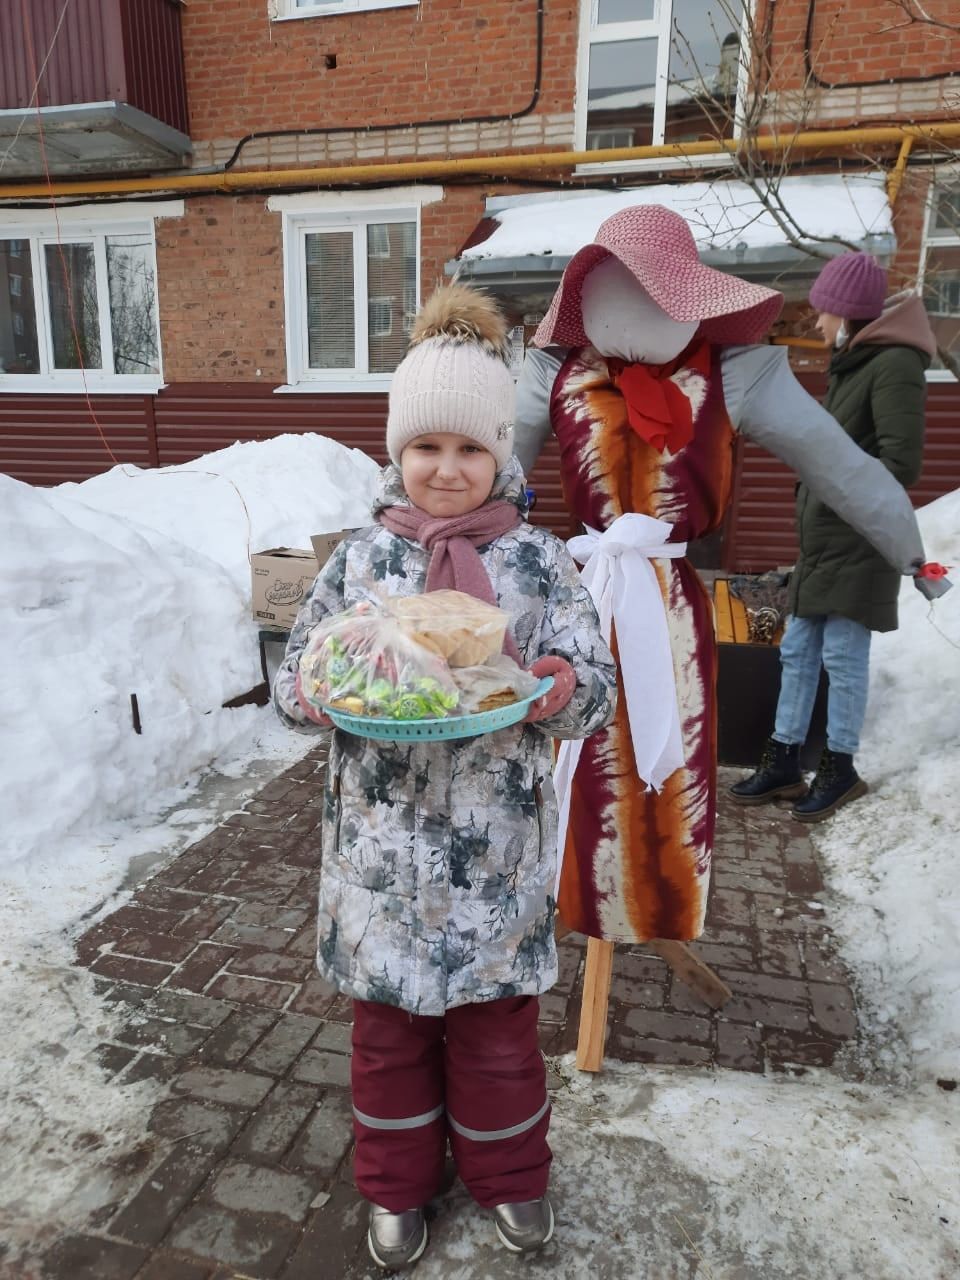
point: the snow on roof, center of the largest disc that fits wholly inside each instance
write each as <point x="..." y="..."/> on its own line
<point x="722" y="215"/>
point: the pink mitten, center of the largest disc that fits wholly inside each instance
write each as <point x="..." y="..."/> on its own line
<point x="311" y="712"/>
<point x="564" y="683"/>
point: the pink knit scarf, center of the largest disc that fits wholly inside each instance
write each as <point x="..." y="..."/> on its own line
<point x="452" y="542"/>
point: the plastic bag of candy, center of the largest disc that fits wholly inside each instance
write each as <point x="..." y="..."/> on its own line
<point x="363" y="662"/>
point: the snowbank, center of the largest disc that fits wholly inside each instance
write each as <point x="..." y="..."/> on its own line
<point x="137" y="583"/>
<point x="288" y="488"/>
<point x="893" y="856"/>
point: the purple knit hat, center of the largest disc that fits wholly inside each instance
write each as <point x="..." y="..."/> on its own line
<point x="852" y="286"/>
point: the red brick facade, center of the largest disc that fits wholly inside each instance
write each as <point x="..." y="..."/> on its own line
<point x="858" y="42"/>
<point x="442" y="59"/>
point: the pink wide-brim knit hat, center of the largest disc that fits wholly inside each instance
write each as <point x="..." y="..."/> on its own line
<point x="657" y="247"/>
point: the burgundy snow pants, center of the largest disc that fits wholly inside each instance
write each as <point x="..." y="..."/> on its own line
<point x="475" y="1077"/>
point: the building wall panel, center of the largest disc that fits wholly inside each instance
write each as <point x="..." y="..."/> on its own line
<point x="52" y="439"/>
<point x="102" y="51"/>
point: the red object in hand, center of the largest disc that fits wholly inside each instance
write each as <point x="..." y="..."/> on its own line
<point x="564" y="683"/>
<point x="932" y="570"/>
<point x="310" y="712"/>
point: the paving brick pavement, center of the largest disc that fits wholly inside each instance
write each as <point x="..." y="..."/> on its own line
<point x="247" y="1172"/>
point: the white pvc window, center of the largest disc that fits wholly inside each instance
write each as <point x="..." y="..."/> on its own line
<point x="940" y="269"/>
<point x="658" y="71"/>
<point x="280" y="9"/>
<point x="352" y="283"/>
<point x="79" y="308"/>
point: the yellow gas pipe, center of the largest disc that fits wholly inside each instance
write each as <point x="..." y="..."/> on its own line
<point x="499" y="166"/>
<point x="895" y="180"/>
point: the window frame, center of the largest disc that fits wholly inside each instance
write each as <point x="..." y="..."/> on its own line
<point x="592" y="32"/>
<point x="79" y="225"/>
<point x="937" y="239"/>
<point x="296" y="227"/>
<point x="290" y="11"/>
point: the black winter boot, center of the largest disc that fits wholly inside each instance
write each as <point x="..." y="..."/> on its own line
<point x="778" y="774"/>
<point x="836" y="783"/>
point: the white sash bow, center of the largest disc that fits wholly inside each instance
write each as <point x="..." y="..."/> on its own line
<point x="623" y="583"/>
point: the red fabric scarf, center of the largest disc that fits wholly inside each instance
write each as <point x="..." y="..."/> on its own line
<point x="657" y="410"/>
<point x="452" y="542"/>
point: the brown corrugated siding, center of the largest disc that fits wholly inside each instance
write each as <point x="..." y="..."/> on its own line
<point x="197" y="418"/>
<point x="82" y="66"/>
<point x="106" y="50"/>
<point x="51" y="439"/>
<point x="153" y="55"/>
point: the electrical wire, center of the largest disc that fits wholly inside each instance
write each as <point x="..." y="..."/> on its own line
<point x="327" y="130"/>
<point x="36" y="84"/>
<point x="31" y="54"/>
<point x="74" y="329"/>
<point x="813" y="78"/>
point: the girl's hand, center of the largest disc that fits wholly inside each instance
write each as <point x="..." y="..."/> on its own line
<point x="564" y="683"/>
<point x="311" y="712"/>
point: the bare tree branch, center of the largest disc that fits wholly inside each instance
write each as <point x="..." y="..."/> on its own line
<point x="916" y="15"/>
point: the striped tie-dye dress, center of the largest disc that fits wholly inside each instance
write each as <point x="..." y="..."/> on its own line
<point x="637" y="862"/>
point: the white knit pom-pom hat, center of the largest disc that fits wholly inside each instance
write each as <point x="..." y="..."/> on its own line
<point x="454" y="377"/>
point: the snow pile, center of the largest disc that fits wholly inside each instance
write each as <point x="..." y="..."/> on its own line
<point x="893" y="855"/>
<point x="137" y="583"/>
<point x="666" y="1173"/>
<point x="722" y="215"/>
<point x="288" y="488"/>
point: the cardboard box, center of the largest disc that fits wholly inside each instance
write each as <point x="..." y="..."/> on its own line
<point x="282" y="577"/>
<point x="324" y="544"/>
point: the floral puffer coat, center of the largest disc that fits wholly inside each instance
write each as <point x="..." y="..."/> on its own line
<point x="439" y="858"/>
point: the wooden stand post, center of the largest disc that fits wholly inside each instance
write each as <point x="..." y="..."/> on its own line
<point x="596" y="991"/>
<point x="593" y="1012"/>
<point x="698" y="976"/>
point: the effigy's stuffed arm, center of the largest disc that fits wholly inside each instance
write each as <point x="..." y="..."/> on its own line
<point x="532" y="428"/>
<point x="769" y="406"/>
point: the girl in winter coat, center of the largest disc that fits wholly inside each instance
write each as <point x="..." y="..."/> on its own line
<point x="439" y="858"/>
<point x="841" y="588"/>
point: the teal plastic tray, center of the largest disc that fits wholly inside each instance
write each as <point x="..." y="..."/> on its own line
<point x="437" y="730"/>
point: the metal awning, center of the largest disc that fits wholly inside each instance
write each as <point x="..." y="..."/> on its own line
<point x="88" y="138"/>
<point x="530" y="238"/>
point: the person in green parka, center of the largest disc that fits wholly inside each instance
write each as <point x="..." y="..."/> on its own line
<point x="841" y="589"/>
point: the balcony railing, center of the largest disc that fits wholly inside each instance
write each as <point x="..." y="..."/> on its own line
<point x="103" y="80"/>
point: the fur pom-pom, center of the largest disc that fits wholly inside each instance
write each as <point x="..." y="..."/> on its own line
<point x="461" y="313"/>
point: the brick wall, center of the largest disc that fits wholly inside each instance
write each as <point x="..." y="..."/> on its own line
<point x="853" y="46"/>
<point x="443" y="59"/>
<point x="220" y="276"/>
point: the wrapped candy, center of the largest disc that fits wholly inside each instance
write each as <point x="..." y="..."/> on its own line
<point x="362" y="662"/>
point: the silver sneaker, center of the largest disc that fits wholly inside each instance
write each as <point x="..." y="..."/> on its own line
<point x="526" y="1226"/>
<point x="396" y="1240"/>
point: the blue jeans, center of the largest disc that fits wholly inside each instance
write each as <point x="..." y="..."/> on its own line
<point x="843" y="647"/>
